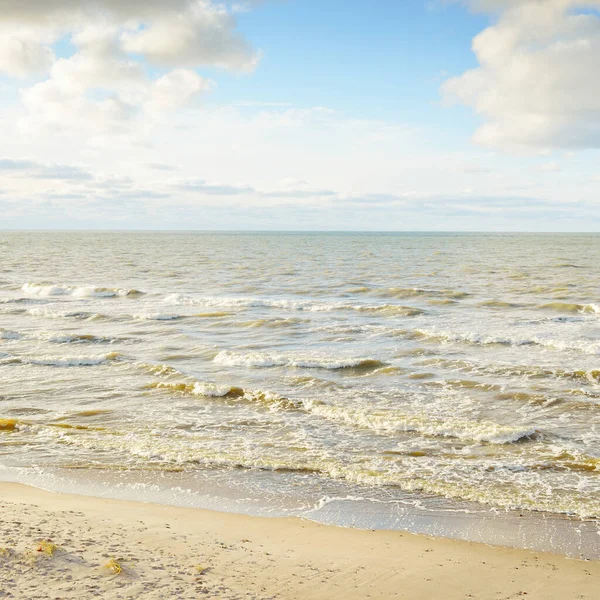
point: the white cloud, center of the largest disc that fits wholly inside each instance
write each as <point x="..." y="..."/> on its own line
<point x="105" y="86"/>
<point x="33" y="169"/>
<point x="551" y="167"/>
<point x="53" y="108"/>
<point x="20" y="57"/>
<point x="538" y="83"/>
<point x="202" y="35"/>
<point x="175" y="90"/>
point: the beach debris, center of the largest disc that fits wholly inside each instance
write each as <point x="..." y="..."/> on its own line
<point x="200" y="569"/>
<point x="8" y="424"/>
<point x="47" y="547"/>
<point x="114" y="566"/>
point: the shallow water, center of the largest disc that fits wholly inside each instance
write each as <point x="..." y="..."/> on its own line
<point x="375" y="380"/>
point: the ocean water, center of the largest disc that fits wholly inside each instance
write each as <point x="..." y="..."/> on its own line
<point x="445" y="383"/>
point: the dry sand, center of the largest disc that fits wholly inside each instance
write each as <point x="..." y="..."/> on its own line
<point x="161" y="548"/>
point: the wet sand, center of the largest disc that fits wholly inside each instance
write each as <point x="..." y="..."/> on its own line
<point x="178" y="553"/>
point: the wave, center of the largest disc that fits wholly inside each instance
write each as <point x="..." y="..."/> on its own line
<point x="378" y="420"/>
<point x="567" y="307"/>
<point x="157" y="317"/>
<point x="470" y="337"/>
<point x="68" y="361"/>
<point x="309" y="362"/>
<point x="484" y="481"/>
<point x="441" y="301"/>
<point x="66" y="314"/>
<point x="211" y="390"/>
<point x="49" y="289"/>
<point x="14" y="425"/>
<point x="487" y="339"/>
<point x="390" y="309"/>
<point x="75" y="338"/>
<point x="161" y="370"/>
<point x="499" y="304"/>
<point x="463" y="384"/>
<point x="571" y="461"/>
<point x="22" y="301"/>
<point x="57" y="338"/>
<point x="397" y="421"/>
<point x="298" y="305"/>
<point x="514" y="371"/>
<point x="271" y="323"/>
<point x="415" y="292"/>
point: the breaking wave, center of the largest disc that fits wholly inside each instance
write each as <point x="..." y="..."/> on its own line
<point x="49" y="289"/>
<point x="157" y="317"/>
<point x="388" y="421"/>
<point x="297" y="305"/>
<point x="269" y="400"/>
<point x="487" y="339"/>
<point x="82" y="315"/>
<point x="258" y="359"/>
<point x="566" y="307"/>
<point x="67" y="361"/>
<point x="415" y="292"/>
<point x="396" y="421"/>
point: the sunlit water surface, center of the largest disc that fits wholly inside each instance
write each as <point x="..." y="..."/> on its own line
<point x="441" y="383"/>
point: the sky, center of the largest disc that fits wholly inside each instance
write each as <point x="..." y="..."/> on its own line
<point x="389" y="115"/>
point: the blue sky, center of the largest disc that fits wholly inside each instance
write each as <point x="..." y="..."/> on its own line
<point x="383" y="63"/>
<point x="291" y="114"/>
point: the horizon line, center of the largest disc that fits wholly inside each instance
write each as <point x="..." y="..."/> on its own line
<point x="296" y="231"/>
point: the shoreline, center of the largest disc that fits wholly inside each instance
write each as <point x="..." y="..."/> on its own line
<point x="162" y="550"/>
<point x="354" y="508"/>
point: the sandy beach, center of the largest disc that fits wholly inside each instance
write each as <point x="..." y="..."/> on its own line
<point x="176" y="553"/>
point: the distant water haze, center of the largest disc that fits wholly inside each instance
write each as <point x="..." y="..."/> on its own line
<point x="425" y="372"/>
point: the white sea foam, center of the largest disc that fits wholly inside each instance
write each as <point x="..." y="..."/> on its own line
<point x="197" y="388"/>
<point x="295" y="305"/>
<point x="156" y="317"/>
<point x="591" y="308"/>
<point x="73" y="338"/>
<point x="390" y="420"/>
<point x="484" y="339"/>
<point x="70" y="361"/>
<point x="22" y="301"/>
<point x="48" y="289"/>
<point x="48" y="313"/>
<point x="396" y="421"/>
<point x="307" y="361"/>
<point x="55" y="337"/>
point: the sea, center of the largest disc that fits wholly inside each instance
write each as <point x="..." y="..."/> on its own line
<point x="438" y="383"/>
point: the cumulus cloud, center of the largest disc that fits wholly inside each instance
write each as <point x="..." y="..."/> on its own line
<point x="175" y="90"/>
<point x="106" y="84"/>
<point x="202" y="35"/>
<point x="538" y="83"/>
<point x="21" y="57"/>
